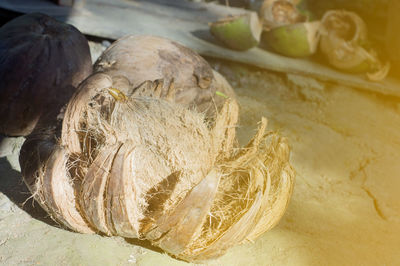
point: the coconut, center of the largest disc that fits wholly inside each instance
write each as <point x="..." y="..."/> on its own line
<point x="162" y="68"/>
<point x="294" y="40"/>
<point x="142" y="167"/>
<point x="240" y="32"/>
<point x="42" y="61"/>
<point x="343" y="42"/>
<point x="275" y="13"/>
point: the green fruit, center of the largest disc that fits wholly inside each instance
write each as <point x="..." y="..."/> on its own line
<point x="294" y="40"/>
<point x="239" y="32"/>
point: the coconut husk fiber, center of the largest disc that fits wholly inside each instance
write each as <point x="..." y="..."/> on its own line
<point x="119" y="164"/>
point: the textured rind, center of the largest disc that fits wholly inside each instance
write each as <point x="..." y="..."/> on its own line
<point x="184" y="76"/>
<point x="42" y="61"/>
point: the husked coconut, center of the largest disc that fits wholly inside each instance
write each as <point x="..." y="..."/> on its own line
<point x="143" y="167"/>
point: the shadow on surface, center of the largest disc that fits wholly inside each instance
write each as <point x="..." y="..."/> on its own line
<point x="205" y="35"/>
<point x="13" y="187"/>
<point x="147" y="245"/>
<point x="143" y="243"/>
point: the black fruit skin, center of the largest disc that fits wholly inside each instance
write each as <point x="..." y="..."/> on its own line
<point x="42" y="61"/>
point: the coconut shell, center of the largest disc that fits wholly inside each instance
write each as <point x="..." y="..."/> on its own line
<point x="165" y="69"/>
<point x="275" y="13"/>
<point x="343" y="39"/>
<point x="142" y="167"/>
<point x="238" y="32"/>
<point x="42" y="61"/>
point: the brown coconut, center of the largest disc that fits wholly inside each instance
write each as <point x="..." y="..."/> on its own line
<point x="343" y="42"/>
<point x="42" y="61"/>
<point x="142" y="167"/>
<point x="168" y="70"/>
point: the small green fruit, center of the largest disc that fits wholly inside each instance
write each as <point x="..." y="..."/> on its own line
<point x="239" y="32"/>
<point x="294" y="40"/>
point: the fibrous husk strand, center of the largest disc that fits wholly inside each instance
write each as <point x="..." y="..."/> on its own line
<point x="46" y="172"/>
<point x="251" y="197"/>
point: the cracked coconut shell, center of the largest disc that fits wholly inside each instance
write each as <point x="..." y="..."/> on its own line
<point x="42" y="61"/>
<point x="275" y="13"/>
<point x="147" y="168"/>
<point x="343" y="42"/>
